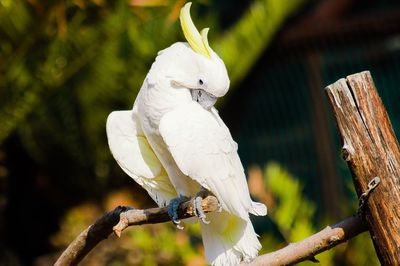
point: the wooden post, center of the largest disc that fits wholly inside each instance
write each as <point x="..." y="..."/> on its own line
<point x="371" y="149"/>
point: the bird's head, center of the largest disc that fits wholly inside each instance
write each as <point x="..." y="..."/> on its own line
<point x="201" y="70"/>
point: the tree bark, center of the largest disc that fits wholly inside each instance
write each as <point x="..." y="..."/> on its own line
<point x="371" y="149"/>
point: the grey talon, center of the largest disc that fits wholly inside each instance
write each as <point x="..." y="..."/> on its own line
<point x="177" y="224"/>
<point x="197" y="205"/>
<point x="198" y="209"/>
<point x="203" y="219"/>
<point x="173" y="208"/>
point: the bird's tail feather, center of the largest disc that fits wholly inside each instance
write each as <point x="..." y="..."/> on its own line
<point x="229" y="240"/>
<point x="258" y="209"/>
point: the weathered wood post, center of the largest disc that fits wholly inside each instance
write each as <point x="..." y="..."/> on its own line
<point x="371" y="149"/>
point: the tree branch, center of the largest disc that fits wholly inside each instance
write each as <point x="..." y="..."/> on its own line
<point x="122" y="217"/>
<point x="306" y="249"/>
<point x="119" y="219"/>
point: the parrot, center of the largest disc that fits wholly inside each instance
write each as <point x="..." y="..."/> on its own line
<point x="175" y="145"/>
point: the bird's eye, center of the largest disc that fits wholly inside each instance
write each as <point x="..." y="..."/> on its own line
<point x="201" y="82"/>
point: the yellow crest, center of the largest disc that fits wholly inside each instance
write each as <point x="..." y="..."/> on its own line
<point x="197" y="41"/>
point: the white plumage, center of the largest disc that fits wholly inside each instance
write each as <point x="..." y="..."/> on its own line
<point x="173" y="144"/>
<point x="134" y="155"/>
<point x="203" y="149"/>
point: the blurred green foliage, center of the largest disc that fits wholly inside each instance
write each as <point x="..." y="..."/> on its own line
<point x="294" y="216"/>
<point x="89" y="57"/>
<point x="295" y="212"/>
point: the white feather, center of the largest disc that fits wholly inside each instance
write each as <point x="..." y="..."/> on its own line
<point x="229" y="240"/>
<point x="203" y="149"/>
<point x="134" y="155"/>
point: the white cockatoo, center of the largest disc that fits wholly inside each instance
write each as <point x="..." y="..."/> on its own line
<point x="174" y="144"/>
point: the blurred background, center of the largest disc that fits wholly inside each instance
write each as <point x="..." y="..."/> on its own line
<point x="65" y="65"/>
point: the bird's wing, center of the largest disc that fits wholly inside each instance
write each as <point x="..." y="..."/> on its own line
<point x="134" y="155"/>
<point x="203" y="149"/>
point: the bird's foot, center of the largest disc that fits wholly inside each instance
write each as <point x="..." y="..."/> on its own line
<point x="173" y="208"/>
<point x="198" y="209"/>
<point x="219" y="207"/>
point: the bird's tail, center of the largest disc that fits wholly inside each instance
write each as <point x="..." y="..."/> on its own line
<point x="229" y="240"/>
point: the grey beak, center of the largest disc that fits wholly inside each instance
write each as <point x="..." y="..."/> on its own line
<point x="205" y="99"/>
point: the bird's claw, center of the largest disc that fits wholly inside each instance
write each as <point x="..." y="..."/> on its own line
<point x="180" y="227"/>
<point x="177" y="222"/>
<point x="198" y="209"/>
<point x="173" y="208"/>
<point x="219" y="207"/>
<point x="205" y="221"/>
